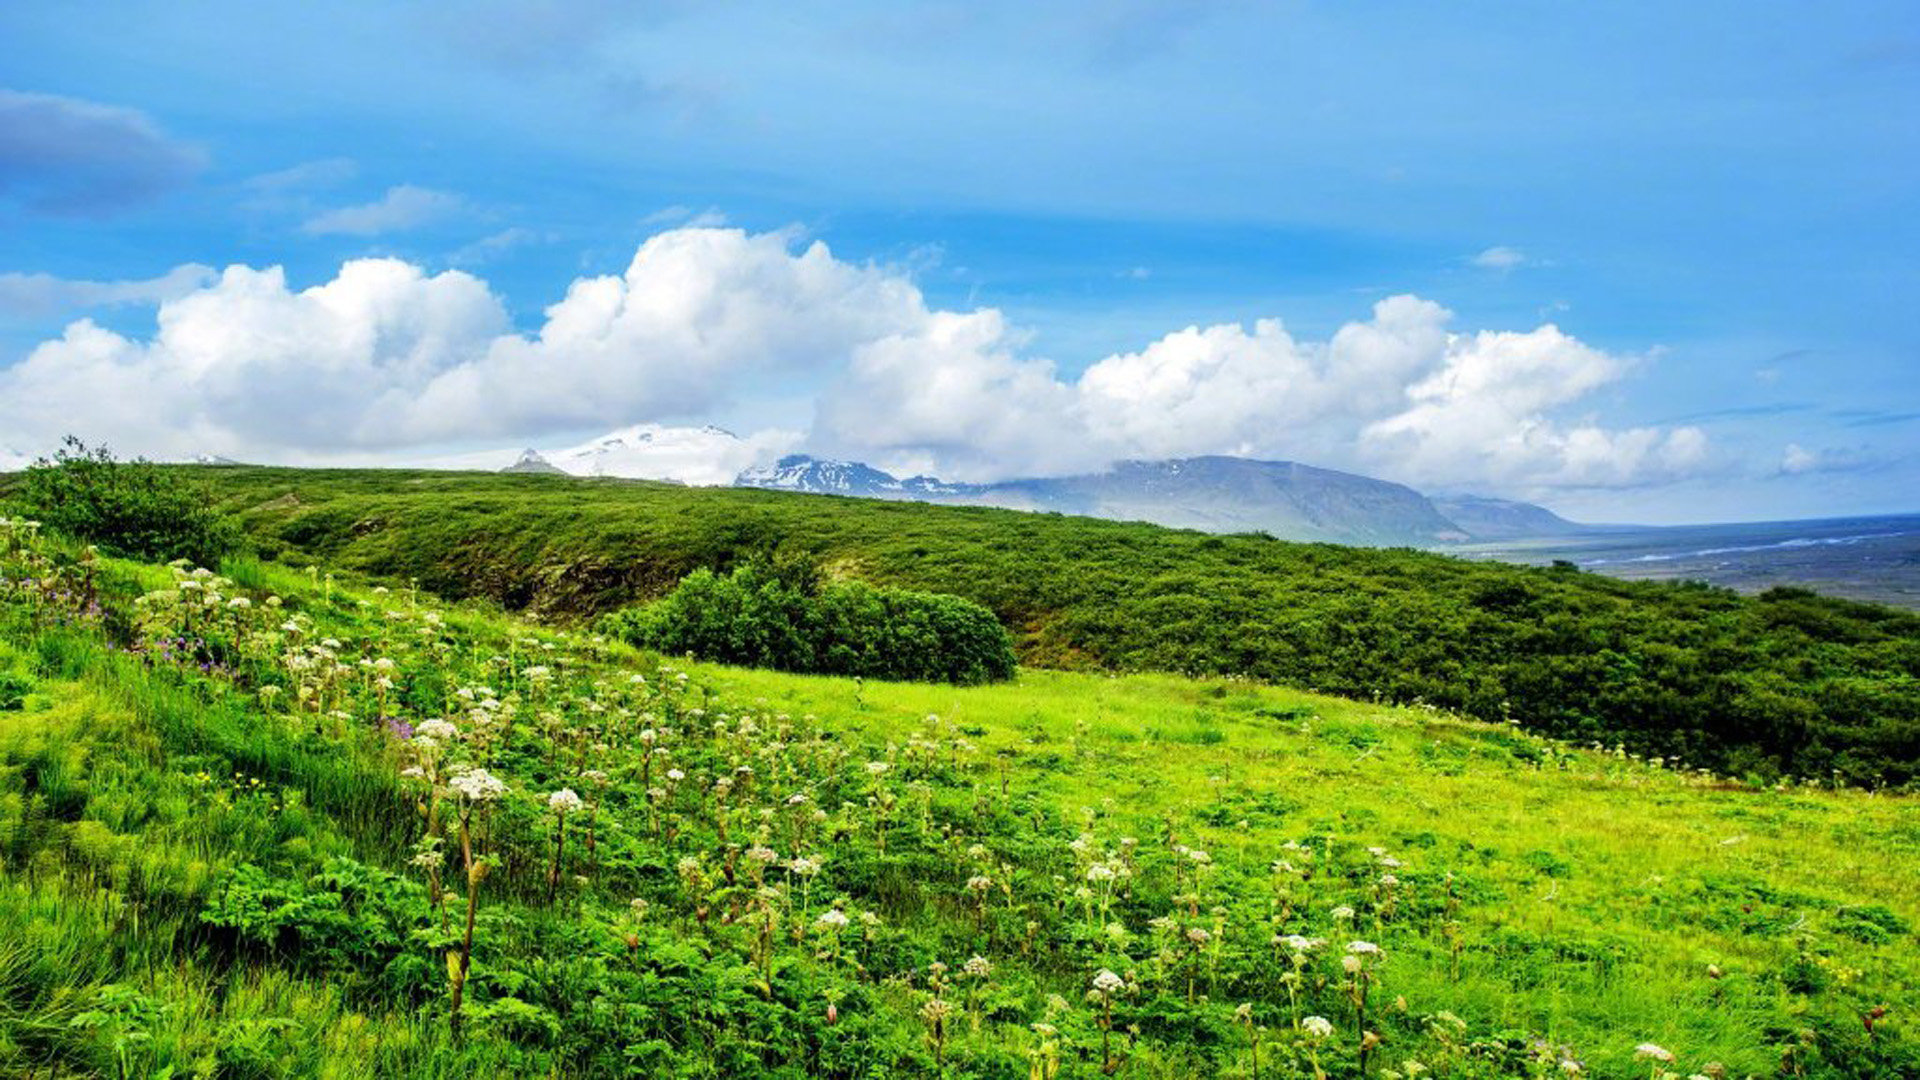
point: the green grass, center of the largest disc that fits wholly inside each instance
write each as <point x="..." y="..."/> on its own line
<point x="197" y="878"/>
<point x="1785" y="683"/>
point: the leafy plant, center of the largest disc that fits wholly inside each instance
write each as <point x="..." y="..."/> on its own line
<point x="131" y="508"/>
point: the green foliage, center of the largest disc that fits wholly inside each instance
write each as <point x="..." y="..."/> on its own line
<point x="230" y="847"/>
<point x="131" y="508"/>
<point x="14" y="687"/>
<point x="1787" y="683"/>
<point x="787" y="619"/>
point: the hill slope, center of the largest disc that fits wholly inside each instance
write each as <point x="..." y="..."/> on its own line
<point x="1787" y="681"/>
<point x="850" y="879"/>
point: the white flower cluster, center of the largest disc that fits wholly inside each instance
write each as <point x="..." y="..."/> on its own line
<point x="478" y="785"/>
<point x="564" y="801"/>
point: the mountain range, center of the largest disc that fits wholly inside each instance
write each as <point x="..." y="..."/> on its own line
<point x="1216" y="494"/>
<point x="1287" y="499"/>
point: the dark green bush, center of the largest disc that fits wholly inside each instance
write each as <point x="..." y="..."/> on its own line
<point x="788" y="619"/>
<point x="130" y="508"/>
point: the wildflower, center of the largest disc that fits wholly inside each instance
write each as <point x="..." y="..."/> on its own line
<point x="1342" y="913"/>
<point x="833" y="919"/>
<point x="804" y="866"/>
<point x="978" y="966"/>
<point x="1107" y="984"/>
<point x="1317" y="1027"/>
<point x="564" y="801"/>
<point x="979" y="883"/>
<point x="876" y="768"/>
<point x="478" y="785"/>
<point x="1363" y="948"/>
<point x="1654" y="1051"/>
<point x="437" y="729"/>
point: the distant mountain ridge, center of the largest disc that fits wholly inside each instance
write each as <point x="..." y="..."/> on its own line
<point x="1216" y="494"/>
<point x="1503" y="519"/>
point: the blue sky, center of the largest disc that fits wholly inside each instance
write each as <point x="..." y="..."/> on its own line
<point x="1714" y="204"/>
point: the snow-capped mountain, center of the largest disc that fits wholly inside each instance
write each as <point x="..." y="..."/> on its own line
<point x="531" y="461"/>
<point x="704" y="455"/>
<point x="800" y="472"/>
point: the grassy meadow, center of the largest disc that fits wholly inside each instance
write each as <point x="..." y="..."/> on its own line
<point x="1788" y="683"/>
<point x="269" y="822"/>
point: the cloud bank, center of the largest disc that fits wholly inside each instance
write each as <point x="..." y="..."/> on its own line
<point x="387" y="359"/>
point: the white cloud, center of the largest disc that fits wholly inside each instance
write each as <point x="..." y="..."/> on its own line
<point x="246" y="365"/>
<point x="389" y="361"/>
<point x="1500" y="258"/>
<point x="1798" y="460"/>
<point x="41" y="295"/>
<point x="402" y="207"/>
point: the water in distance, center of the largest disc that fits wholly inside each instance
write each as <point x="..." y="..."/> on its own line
<point x="1873" y="558"/>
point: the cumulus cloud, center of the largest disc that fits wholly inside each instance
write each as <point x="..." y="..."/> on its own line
<point x="63" y="156"/>
<point x="402" y="207"/>
<point x="41" y="295"/>
<point x="387" y="358"/>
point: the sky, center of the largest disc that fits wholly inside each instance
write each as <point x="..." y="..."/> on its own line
<point x="1637" y="262"/>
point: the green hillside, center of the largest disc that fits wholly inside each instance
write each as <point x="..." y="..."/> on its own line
<point x="275" y="823"/>
<point x="1785" y="683"/>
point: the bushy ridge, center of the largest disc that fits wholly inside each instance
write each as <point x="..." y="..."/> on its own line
<point x="788" y="619"/>
<point x="1785" y="683"/>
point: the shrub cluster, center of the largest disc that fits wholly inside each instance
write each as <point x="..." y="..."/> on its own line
<point x="788" y="619"/>
<point x="133" y="508"/>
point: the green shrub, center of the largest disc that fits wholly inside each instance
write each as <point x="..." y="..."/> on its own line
<point x="131" y="508"/>
<point x="14" y="688"/>
<point x="788" y="619"/>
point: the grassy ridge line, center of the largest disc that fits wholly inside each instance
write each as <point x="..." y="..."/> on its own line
<point x="1785" y="683"/>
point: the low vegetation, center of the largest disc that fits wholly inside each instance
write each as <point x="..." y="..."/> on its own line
<point x="129" y="508"/>
<point x="1784" y="684"/>
<point x="265" y="822"/>
<point x="788" y="619"/>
